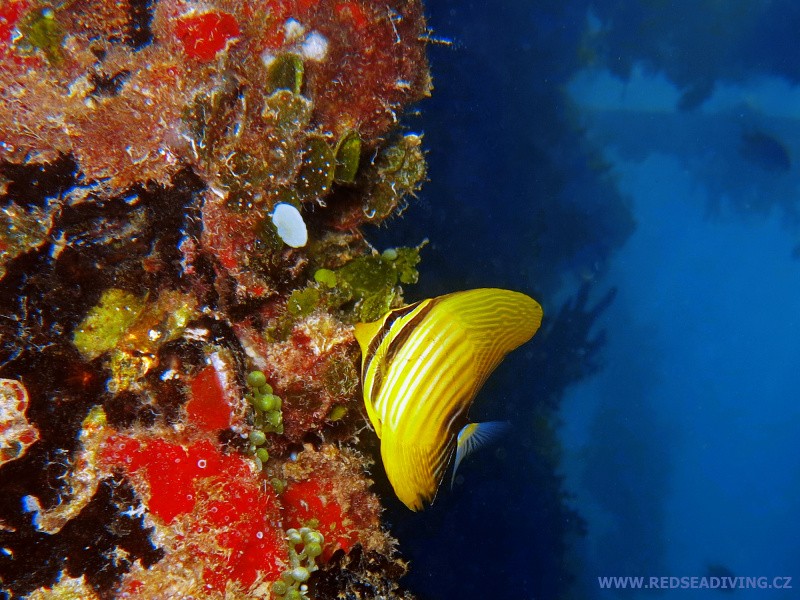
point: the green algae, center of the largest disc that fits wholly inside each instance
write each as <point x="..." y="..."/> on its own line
<point x="242" y="174"/>
<point x="107" y="322"/>
<point x="372" y="281"/>
<point x="363" y="289"/>
<point x="267" y="415"/>
<point x="287" y="112"/>
<point x="158" y="322"/>
<point x="303" y="302"/>
<point x="325" y="277"/>
<point x="406" y="262"/>
<point x="400" y="170"/>
<point x="214" y="119"/>
<point x="338" y="412"/>
<point x="257" y="437"/>
<point x="256" y="379"/>
<point x="317" y="170"/>
<point x="279" y="485"/>
<point x="40" y="30"/>
<point x="348" y="157"/>
<point x="126" y="369"/>
<point x="302" y="562"/>
<point x="286" y="71"/>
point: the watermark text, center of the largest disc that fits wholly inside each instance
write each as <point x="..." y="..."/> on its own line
<point x="695" y="583"/>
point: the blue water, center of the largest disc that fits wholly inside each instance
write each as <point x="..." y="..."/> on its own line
<point x="646" y="147"/>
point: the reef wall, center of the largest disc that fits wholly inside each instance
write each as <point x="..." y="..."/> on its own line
<point x="181" y="190"/>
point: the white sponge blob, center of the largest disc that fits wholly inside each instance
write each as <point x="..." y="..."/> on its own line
<point x="315" y="46"/>
<point x="290" y="225"/>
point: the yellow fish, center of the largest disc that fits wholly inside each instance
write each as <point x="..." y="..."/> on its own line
<point x="422" y="366"/>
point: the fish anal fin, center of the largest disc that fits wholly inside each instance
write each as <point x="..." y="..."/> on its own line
<point x="415" y="471"/>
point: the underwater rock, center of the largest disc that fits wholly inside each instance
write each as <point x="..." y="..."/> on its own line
<point x="16" y="434"/>
<point x="196" y="94"/>
<point x="360" y="574"/>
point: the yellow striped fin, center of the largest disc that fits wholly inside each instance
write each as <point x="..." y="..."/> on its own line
<point x="497" y="322"/>
<point x="422" y="366"/>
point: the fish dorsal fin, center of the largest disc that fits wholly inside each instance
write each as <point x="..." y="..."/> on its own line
<point x="496" y="322"/>
<point x="474" y="436"/>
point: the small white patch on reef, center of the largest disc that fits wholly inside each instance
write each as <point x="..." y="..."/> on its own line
<point x="290" y="225"/>
<point x="315" y="46"/>
<point x="222" y="370"/>
<point x="293" y="30"/>
<point x="30" y="504"/>
<point x="267" y="57"/>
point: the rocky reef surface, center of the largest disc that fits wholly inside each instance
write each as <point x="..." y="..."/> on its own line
<point x="182" y="187"/>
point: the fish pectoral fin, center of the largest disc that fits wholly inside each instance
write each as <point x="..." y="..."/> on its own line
<point x="474" y="436"/>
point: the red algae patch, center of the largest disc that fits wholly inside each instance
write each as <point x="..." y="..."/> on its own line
<point x="12" y="12"/>
<point x="228" y="519"/>
<point x="208" y="408"/>
<point x="206" y="34"/>
<point x="170" y="470"/>
<point x="313" y="501"/>
<point x="231" y="520"/>
<point x="327" y="488"/>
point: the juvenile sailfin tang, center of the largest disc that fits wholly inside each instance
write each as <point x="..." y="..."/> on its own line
<point x="422" y="366"/>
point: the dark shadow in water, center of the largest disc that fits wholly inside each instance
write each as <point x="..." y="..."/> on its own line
<point x="736" y="40"/>
<point x="516" y="197"/>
